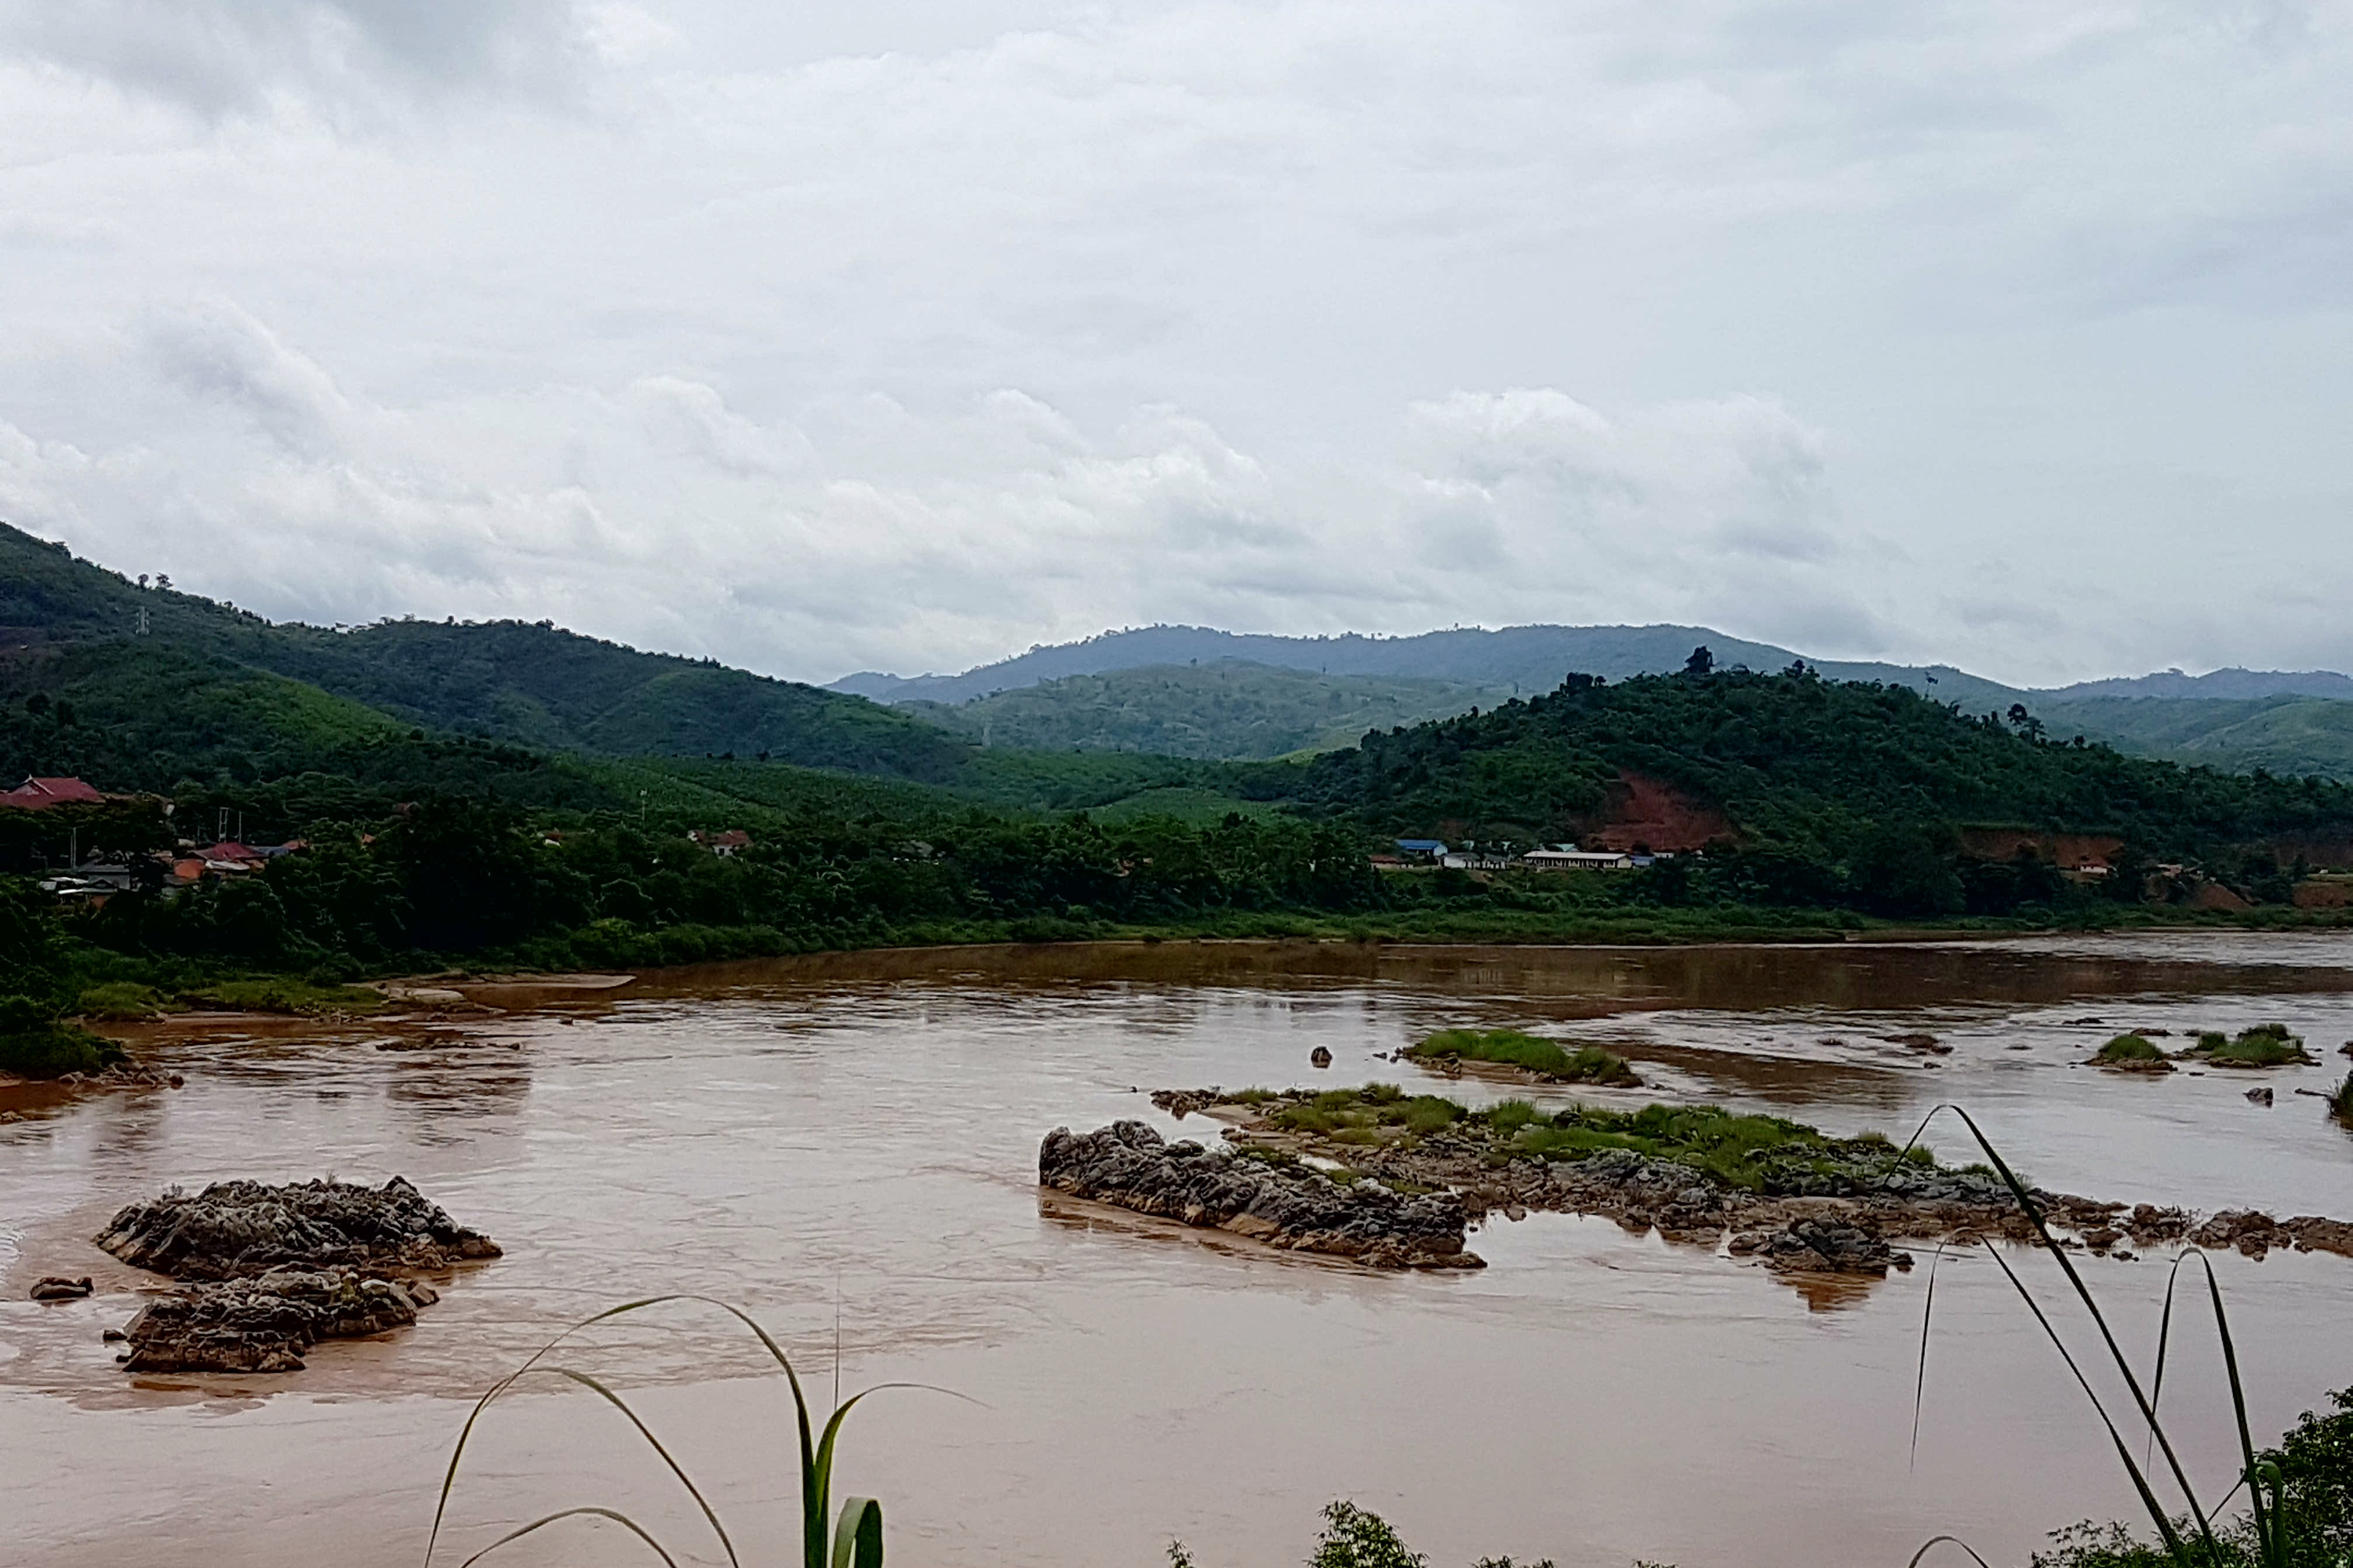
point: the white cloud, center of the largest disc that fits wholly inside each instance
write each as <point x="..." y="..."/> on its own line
<point x="218" y="57"/>
<point x="819" y="336"/>
<point x="878" y="534"/>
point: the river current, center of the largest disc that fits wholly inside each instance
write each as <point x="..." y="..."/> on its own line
<point x="846" y="1147"/>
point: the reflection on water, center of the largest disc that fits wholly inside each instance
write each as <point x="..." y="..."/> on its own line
<point x="855" y="1137"/>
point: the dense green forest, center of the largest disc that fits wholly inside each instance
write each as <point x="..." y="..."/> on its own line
<point x="1838" y="792"/>
<point x="531" y="684"/>
<point x="1228" y="708"/>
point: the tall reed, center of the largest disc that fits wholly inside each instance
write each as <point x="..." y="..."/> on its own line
<point x="2198" y="1545"/>
<point x="853" y="1539"/>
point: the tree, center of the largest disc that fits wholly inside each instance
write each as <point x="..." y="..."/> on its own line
<point x="1700" y="662"/>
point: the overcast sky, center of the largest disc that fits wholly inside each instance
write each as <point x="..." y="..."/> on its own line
<point x="905" y="335"/>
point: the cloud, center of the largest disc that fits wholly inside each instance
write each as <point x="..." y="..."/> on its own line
<point x="872" y="533"/>
<point x="813" y="336"/>
<point x="218" y="57"/>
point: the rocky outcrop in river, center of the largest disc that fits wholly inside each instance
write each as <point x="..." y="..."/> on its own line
<point x="236" y="1228"/>
<point x="273" y="1270"/>
<point x="1835" y="1210"/>
<point x="265" y="1324"/>
<point x="1283" y="1204"/>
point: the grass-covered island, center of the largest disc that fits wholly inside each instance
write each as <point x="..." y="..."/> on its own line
<point x="1545" y="1060"/>
<point x="2261" y="1046"/>
<point x="1796" y="1197"/>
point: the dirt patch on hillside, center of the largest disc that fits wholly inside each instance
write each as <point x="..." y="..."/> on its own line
<point x="2070" y="851"/>
<point x="1647" y="814"/>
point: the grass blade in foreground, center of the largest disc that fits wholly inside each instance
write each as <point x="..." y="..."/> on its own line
<point x="857" y="1543"/>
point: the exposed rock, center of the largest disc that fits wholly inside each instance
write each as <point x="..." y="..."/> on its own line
<point x="1791" y="1215"/>
<point x="57" y="1287"/>
<point x="234" y="1228"/>
<point x="265" y="1324"/>
<point x="2262" y="1096"/>
<point x="1920" y="1042"/>
<point x="277" y="1269"/>
<point x="2255" y="1234"/>
<point x="1319" y="1057"/>
<point x="1285" y="1204"/>
<point x="1828" y="1246"/>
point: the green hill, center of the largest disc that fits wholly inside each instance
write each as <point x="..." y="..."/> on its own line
<point x="1807" y="767"/>
<point x="1226" y="708"/>
<point x="2279" y="733"/>
<point x="531" y="684"/>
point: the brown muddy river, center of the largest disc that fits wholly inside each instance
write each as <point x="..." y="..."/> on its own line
<point x="845" y="1147"/>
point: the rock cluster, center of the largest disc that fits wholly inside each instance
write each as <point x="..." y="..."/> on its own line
<point x="1824" y="1245"/>
<point x="265" y="1324"/>
<point x="237" y="1228"/>
<point x="2255" y="1234"/>
<point x="273" y="1270"/>
<point x="1286" y="1204"/>
<point x="1836" y="1213"/>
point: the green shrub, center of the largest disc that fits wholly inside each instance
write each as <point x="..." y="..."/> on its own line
<point x="2131" y="1050"/>
<point x="1353" y="1538"/>
<point x="1510" y="1047"/>
<point x="53" y="1050"/>
<point x="282" y="993"/>
<point x="123" y="1000"/>
<point x="2340" y="1101"/>
<point x="2264" y="1046"/>
<point x="1508" y="1117"/>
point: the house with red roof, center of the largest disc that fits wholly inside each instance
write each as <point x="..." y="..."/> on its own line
<point x="39" y="794"/>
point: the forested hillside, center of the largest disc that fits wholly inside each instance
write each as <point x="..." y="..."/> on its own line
<point x="1805" y="767"/>
<point x="1510" y="661"/>
<point x="2283" y="733"/>
<point x="1226" y="708"/>
<point x="532" y="685"/>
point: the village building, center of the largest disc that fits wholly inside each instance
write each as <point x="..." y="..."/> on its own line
<point x="726" y="845"/>
<point x="39" y="794"/>
<point x="1582" y="860"/>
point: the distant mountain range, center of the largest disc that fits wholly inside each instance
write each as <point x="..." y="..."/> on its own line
<point x="1198" y="692"/>
<point x="171" y="684"/>
<point x="1526" y="658"/>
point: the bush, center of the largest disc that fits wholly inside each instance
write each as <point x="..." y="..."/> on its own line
<point x="53" y="1050"/>
<point x="2314" y="1506"/>
<point x="284" y="995"/>
<point x="1353" y="1538"/>
<point x="1510" y="1047"/>
<point x="122" y="1000"/>
<point x="2264" y="1046"/>
<point x="2133" y="1051"/>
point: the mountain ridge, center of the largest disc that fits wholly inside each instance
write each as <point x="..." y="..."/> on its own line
<point x="1531" y="656"/>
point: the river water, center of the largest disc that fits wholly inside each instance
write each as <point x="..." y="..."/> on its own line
<point x="845" y="1147"/>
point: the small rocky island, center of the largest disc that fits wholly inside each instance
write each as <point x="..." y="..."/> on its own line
<point x="1778" y="1192"/>
<point x="1282" y="1201"/>
<point x="270" y="1271"/>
